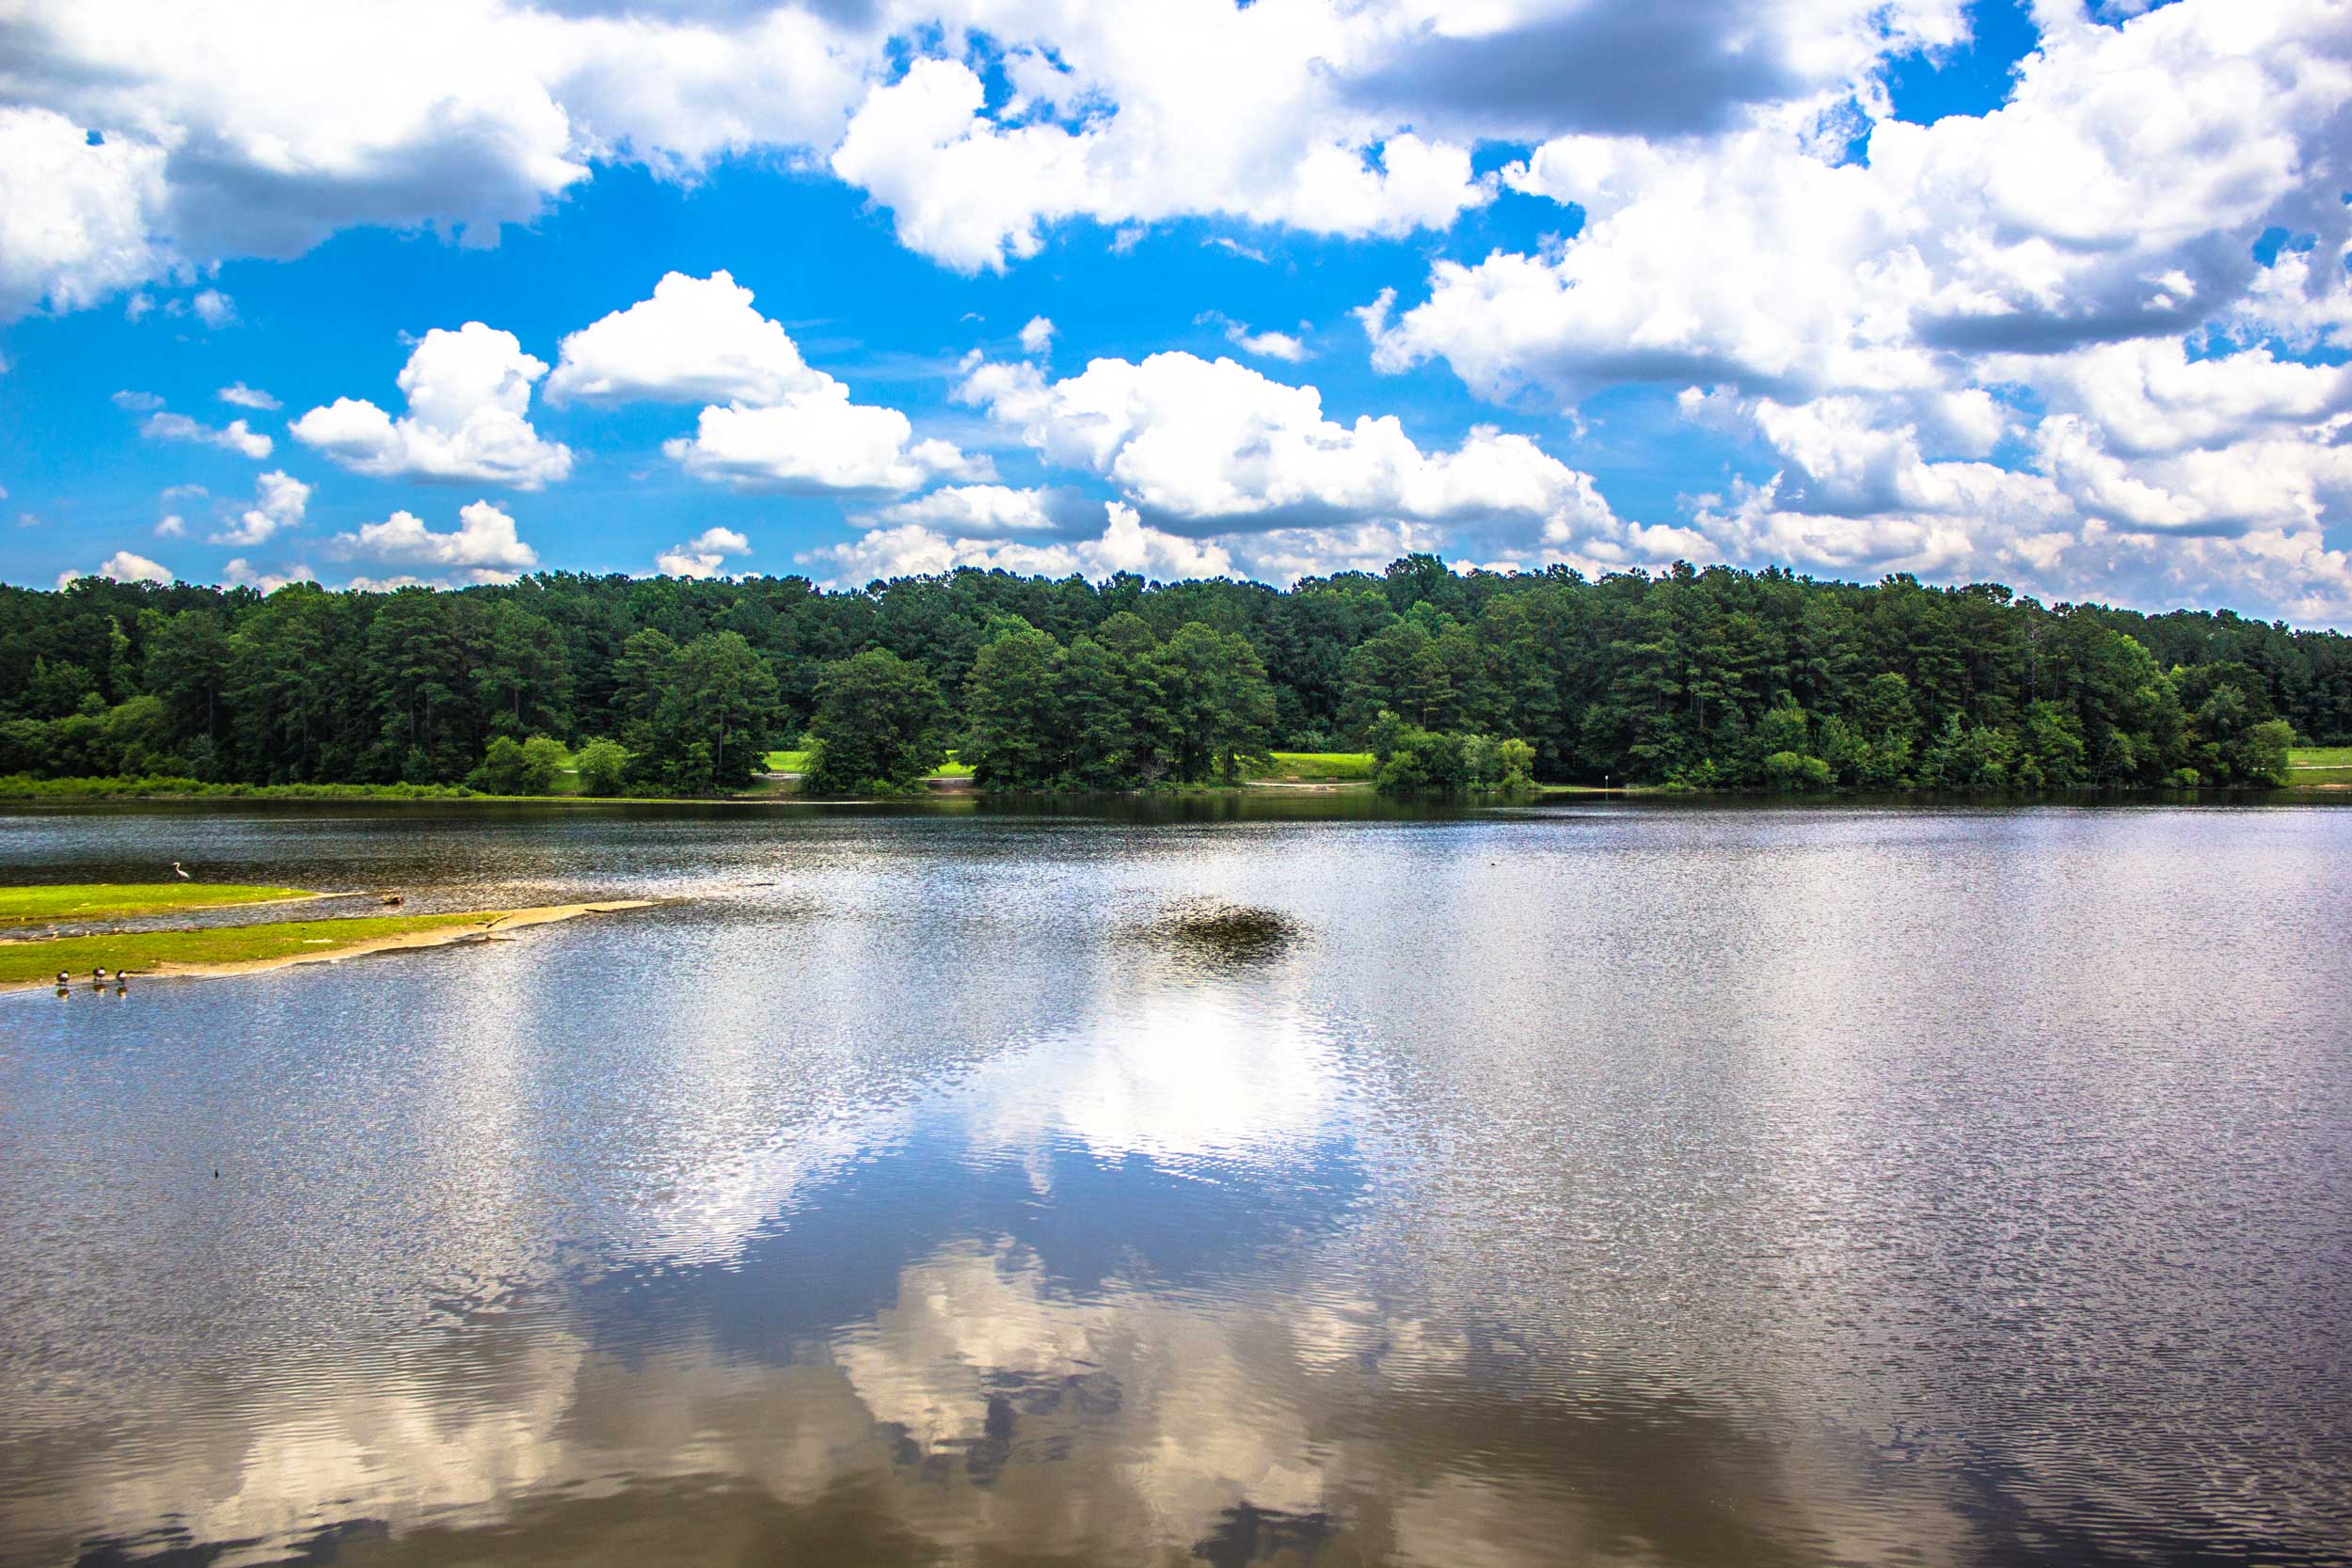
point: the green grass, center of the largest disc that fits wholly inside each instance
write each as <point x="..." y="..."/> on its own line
<point x="140" y="951"/>
<point x="797" y="762"/>
<point x="21" y="906"/>
<point x="1319" y="765"/>
<point x="2308" y="765"/>
<point x="23" y="787"/>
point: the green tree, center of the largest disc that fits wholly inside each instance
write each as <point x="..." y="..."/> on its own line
<point x="519" y="767"/>
<point x="603" y="767"/>
<point x="1014" y="710"/>
<point x="58" y="688"/>
<point x="718" y="715"/>
<point x="1793" y="772"/>
<point x="877" y="725"/>
<point x="1219" y="709"/>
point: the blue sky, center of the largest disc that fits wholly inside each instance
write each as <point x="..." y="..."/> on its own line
<point x="2049" y="297"/>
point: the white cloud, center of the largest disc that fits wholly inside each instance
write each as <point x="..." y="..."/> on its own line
<point x="481" y="549"/>
<point x="1265" y="345"/>
<point x="213" y="309"/>
<point x="1205" y="442"/>
<point x="703" y="556"/>
<point x="77" y="222"/>
<point x="1125" y="544"/>
<point x="695" y="341"/>
<point x="818" y="441"/>
<point x="783" y="425"/>
<point x="1209" y="110"/>
<point x="249" y="397"/>
<point x="2218" y="491"/>
<point x="1282" y="556"/>
<point x="281" y="500"/>
<point x="242" y="573"/>
<point x="980" y="511"/>
<point x="172" y="526"/>
<point x="1036" y="336"/>
<point x="2150" y="398"/>
<point x="2075" y="213"/>
<point x="122" y="566"/>
<point x="468" y="394"/>
<point x="261" y="130"/>
<point x="236" y="436"/>
<point x="2056" y="275"/>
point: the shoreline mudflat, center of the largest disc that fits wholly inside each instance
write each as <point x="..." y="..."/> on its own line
<point x="455" y="926"/>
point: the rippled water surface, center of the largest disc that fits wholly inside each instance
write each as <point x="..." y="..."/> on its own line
<point x="1586" y="1184"/>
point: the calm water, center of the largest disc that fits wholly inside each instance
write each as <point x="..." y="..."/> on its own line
<point x="1581" y="1185"/>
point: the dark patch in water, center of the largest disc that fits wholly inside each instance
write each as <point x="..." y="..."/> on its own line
<point x="1219" y="935"/>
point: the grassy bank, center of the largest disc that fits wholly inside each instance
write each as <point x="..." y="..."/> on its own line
<point x="2315" y="767"/>
<point x="797" y="762"/>
<point x="1320" y="767"/>
<point x="19" y="786"/>
<point x="23" y="787"/>
<point x="79" y="901"/>
<point x="142" y="952"/>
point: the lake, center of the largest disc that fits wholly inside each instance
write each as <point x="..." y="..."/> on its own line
<point x="1589" y="1183"/>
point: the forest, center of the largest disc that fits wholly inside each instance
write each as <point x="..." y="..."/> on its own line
<point x="1714" y="678"/>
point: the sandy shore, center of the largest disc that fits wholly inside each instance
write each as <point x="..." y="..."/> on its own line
<point x="493" y="923"/>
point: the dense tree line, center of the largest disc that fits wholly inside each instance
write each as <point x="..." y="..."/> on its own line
<point x="1706" y="678"/>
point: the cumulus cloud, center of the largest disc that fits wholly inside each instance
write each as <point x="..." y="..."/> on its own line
<point x="1263" y="346"/>
<point x="244" y="131"/>
<point x="241" y="573"/>
<point x="1125" y="544"/>
<point x="782" y="426"/>
<point x="252" y="131"/>
<point x="481" y="549"/>
<point x="1529" y="72"/>
<point x="2034" y="343"/>
<point x="469" y="399"/>
<point x="77" y="222"/>
<point x="1266" y="345"/>
<point x="249" y="397"/>
<point x="213" y="309"/>
<point x="279" y="502"/>
<point x="1213" y="110"/>
<point x="1214" y="446"/>
<point x="696" y="341"/>
<point x="2171" y="512"/>
<point x="818" y="441"/>
<point x="235" y="436"/>
<point x="2072" y="215"/>
<point x="174" y="526"/>
<point x="122" y="566"/>
<point x="986" y="511"/>
<point x="703" y="556"/>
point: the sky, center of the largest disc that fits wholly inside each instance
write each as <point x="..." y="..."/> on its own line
<point x="2052" y="295"/>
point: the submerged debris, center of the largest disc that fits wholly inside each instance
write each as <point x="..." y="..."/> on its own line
<point x="1212" y="932"/>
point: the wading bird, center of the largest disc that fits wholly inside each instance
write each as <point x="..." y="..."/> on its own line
<point x="177" y="872"/>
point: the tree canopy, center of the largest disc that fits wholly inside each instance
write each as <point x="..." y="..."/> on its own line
<point x="1716" y="676"/>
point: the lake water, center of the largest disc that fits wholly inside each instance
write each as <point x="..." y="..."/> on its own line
<point x="1578" y="1184"/>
